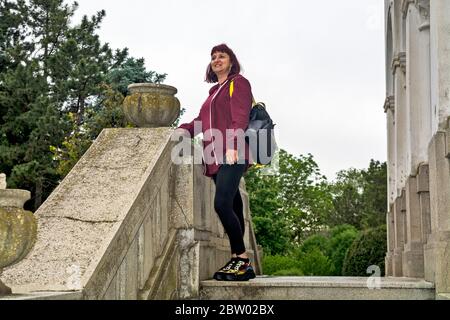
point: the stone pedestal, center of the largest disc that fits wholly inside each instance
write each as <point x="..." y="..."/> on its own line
<point x="413" y="260"/>
<point x="399" y="222"/>
<point x="388" y="264"/>
<point x="413" y="250"/>
<point x="390" y="241"/>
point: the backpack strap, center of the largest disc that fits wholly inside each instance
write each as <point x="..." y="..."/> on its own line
<point x="232" y="90"/>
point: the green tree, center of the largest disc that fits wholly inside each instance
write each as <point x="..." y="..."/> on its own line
<point x="368" y="249"/>
<point x="56" y="91"/>
<point x="104" y="112"/>
<point x="289" y="205"/>
<point x="132" y="71"/>
<point x="271" y="227"/>
<point x="333" y="244"/>
<point x="360" y="197"/>
<point x="341" y="238"/>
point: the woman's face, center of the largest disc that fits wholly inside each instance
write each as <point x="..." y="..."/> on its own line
<point x="220" y="62"/>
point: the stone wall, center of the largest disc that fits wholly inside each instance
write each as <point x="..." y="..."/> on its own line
<point x="127" y="223"/>
<point x="417" y="111"/>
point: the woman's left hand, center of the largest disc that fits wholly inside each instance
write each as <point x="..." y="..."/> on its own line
<point x="231" y="156"/>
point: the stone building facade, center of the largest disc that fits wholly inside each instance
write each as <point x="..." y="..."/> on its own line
<point x="417" y="110"/>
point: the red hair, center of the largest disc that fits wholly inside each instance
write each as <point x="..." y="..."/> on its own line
<point x="211" y="77"/>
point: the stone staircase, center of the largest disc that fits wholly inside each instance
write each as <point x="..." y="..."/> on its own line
<point x="318" y="288"/>
<point x="128" y="224"/>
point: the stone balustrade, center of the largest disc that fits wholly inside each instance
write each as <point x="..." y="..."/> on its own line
<point x="127" y="223"/>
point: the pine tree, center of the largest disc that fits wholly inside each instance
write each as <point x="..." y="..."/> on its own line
<point x="57" y="90"/>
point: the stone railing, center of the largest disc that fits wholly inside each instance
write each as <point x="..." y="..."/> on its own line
<point x="126" y="223"/>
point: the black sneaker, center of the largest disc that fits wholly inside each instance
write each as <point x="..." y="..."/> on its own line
<point x="228" y="268"/>
<point x="242" y="270"/>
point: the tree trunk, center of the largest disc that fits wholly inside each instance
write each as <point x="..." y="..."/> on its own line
<point x="38" y="196"/>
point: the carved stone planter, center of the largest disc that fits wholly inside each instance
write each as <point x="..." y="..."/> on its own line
<point x="18" y="228"/>
<point x="151" y="105"/>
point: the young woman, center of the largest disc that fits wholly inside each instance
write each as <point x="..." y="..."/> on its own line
<point x="226" y="111"/>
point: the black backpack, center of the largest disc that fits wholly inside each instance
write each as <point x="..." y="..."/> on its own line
<point x="261" y="129"/>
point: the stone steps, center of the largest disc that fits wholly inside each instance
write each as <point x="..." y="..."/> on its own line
<point x="318" y="288"/>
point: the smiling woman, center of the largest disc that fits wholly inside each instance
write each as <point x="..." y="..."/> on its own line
<point x="221" y="114"/>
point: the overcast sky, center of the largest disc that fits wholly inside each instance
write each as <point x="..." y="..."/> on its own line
<point x="318" y="65"/>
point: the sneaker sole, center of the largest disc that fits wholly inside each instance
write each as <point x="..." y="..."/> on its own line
<point x="218" y="277"/>
<point x="245" y="277"/>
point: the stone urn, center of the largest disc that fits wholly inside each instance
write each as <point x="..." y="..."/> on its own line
<point x="18" y="228"/>
<point x="151" y="105"/>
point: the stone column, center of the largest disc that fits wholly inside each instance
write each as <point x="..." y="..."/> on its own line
<point x="440" y="63"/>
<point x="418" y="84"/>
<point x="419" y="128"/>
<point x="389" y="108"/>
<point x="401" y="136"/>
<point x="401" y="121"/>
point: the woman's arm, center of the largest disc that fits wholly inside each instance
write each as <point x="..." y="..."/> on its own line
<point x="190" y="126"/>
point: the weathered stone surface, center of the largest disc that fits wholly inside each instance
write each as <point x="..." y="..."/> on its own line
<point x="14" y="197"/>
<point x="18" y="230"/>
<point x="318" y="288"/>
<point x="80" y="219"/>
<point x="2" y="181"/>
<point x="124" y="228"/>
<point x="45" y="295"/>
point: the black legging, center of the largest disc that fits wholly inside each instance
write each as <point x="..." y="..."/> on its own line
<point x="228" y="204"/>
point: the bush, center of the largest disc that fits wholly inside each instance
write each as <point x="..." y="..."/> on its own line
<point x="290" y="272"/>
<point x="272" y="234"/>
<point x="333" y="244"/>
<point x="317" y="241"/>
<point x="368" y="249"/>
<point x="315" y="263"/>
<point x="276" y="263"/>
<point x="342" y="238"/>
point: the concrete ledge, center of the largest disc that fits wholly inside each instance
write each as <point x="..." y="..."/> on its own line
<point x="74" y="295"/>
<point x="443" y="296"/>
<point x="318" y="288"/>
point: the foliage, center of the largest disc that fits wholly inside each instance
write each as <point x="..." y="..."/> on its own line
<point x="318" y="241"/>
<point x="321" y="254"/>
<point x="333" y="244"/>
<point x="368" y="249"/>
<point x="296" y="272"/>
<point x="59" y="86"/>
<point x="360" y="197"/>
<point x="341" y="239"/>
<point x="275" y="263"/>
<point x="316" y="263"/>
<point x="289" y="205"/>
<point x="132" y="71"/>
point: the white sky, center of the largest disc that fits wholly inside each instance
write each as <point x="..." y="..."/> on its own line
<point x="318" y="65"/>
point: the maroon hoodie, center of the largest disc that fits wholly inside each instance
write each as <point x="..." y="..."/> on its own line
<point x="222" y="112"/>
